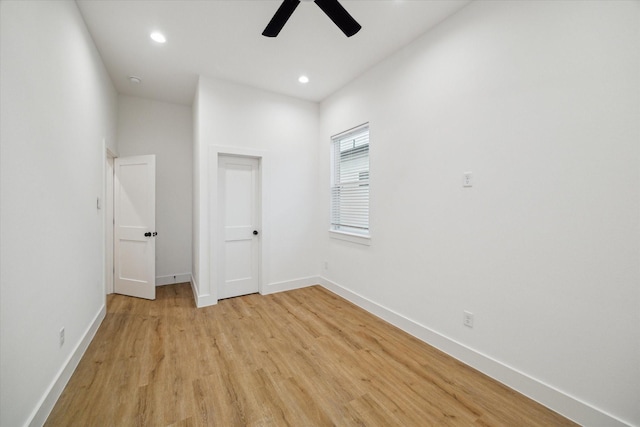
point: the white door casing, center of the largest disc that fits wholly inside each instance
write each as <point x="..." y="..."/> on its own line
<point x="109" y="222"/>
<point x="134" y="215"/>
<point x="239" y="215"/>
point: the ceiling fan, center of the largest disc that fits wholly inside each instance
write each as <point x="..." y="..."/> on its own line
<point x="332" y="8"/>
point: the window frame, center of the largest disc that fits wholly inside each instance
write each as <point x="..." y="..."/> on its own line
<point x="363" y="238"/>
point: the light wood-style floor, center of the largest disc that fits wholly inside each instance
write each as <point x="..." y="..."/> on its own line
<point x="300" y="358"/>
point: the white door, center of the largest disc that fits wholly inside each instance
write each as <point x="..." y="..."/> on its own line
<point x="239" y="212"/>
<point x="135" y="218"/>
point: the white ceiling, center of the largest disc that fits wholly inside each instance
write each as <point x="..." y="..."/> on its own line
<point x="222" y="39"/>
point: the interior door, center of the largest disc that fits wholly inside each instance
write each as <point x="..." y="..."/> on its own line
<point x="135" y="221"/>
<point x="239" y="195"/>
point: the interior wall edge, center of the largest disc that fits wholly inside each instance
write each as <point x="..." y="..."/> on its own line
<point x="548" y="396"/>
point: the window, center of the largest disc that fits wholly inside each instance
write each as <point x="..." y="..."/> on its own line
<point x="350" y="182"/>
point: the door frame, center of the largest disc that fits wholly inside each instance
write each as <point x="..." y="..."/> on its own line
<point x="109" y="220"/>
<point x="215" y="222"/>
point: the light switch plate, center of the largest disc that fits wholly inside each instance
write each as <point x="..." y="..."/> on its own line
<point x="467" y="179"/>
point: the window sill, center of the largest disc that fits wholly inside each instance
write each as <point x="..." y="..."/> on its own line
<point x="350" y="237"/>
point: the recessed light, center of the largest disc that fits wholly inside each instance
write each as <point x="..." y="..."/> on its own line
<point x="158" y="37"/>
<point x="303" y="79"/>
<point x="135" y="80"/>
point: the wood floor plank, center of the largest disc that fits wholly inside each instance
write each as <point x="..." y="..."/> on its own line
<point x="371" y="413"/>
<point x="299" y="358"/>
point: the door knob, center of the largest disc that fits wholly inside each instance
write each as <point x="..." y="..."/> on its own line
<point x="255" y="232"/>
<point x="147" y="234"/>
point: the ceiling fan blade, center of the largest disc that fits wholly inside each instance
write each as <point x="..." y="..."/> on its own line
<point x="339" y="16"/>
<point x="280" y="18"/>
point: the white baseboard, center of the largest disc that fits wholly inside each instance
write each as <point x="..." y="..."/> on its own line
<point x="290" y="285"/>
<point x="194" y="289"/>
<point x="173" y="279"/>
<point x="201" y="300"/>
<point x="48" y="401"/>
<point x="562" y="403"/>
<point x="271" y="288"/>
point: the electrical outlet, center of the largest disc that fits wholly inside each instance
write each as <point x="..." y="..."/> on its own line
<point x="467" y="319"/>
<point x="61" y="337"/>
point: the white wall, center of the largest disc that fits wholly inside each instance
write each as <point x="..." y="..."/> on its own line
<point x="163" y="129"/>
<point x="57" y="104"/>
<point x="285" y="131"/>
<point x="541" y="100"/>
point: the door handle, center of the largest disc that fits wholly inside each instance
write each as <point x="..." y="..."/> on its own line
<point x="255" y="232"/>
<point x="147" y="234"/>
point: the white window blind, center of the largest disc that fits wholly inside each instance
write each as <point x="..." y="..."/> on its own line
<point x="350" y="184"/>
